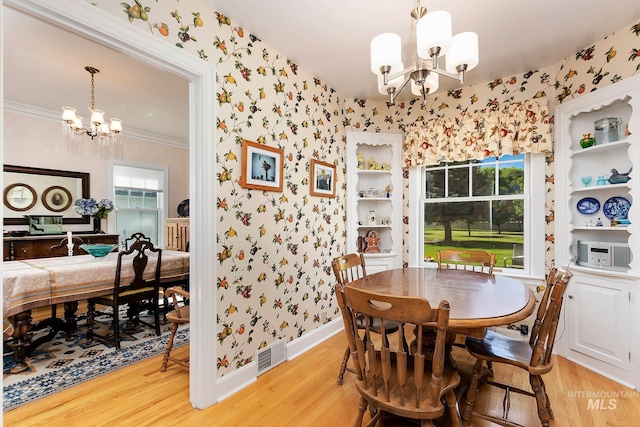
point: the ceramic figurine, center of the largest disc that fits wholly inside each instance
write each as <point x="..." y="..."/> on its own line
<point x="372" y="240"/>
<point x="619" y="178"/>
<point x="373" y="165"/>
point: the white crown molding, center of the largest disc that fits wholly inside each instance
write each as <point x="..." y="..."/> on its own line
<point x="43" y="113"/>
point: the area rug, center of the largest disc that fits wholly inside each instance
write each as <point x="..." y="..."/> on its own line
<point x="60" y="364"/>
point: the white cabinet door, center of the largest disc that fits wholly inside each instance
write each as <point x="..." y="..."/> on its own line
<point x="598" y="316"/>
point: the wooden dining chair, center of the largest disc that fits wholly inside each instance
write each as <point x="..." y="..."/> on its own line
<point x="470" y="260"/>
<point x="134" y="238"/>
<point x="348" y="268"/>
<point x="132" y="292"/>
<point x="390" y="379"/>
<point x="178" y="316"/>
<point x="534" y="356"/>
<point x="166" y="280"/>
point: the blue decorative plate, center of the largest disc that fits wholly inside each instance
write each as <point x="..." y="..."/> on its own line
<point x="588" y="206"/>
<point x="616" y="207"/>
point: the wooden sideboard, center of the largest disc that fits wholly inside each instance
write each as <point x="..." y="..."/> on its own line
<point x="29" y="247"/>
<point x="177" y="234"/>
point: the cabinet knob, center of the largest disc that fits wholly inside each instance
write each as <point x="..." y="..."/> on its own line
<point x="570" y="296"/>
<point x="24" y="250"/>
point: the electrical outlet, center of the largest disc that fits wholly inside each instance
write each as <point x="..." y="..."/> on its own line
<point x="524" y="329"/>
<point x="323" y="317"/>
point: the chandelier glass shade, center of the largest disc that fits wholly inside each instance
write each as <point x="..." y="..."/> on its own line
<point x="433" y="41"/>
<point x="98" y="128"/>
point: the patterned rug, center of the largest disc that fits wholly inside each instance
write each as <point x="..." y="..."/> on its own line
<point x="60" y="364"/>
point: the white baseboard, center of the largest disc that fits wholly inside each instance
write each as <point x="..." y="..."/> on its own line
<point x="306" y="342"/>
<point x="241" y="378"/>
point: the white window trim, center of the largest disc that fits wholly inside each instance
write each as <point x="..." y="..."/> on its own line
<point x="534" y="223"/>
<point x="163" y="211"/>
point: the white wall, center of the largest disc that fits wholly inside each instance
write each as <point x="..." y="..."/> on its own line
<point x="38" y="142"/>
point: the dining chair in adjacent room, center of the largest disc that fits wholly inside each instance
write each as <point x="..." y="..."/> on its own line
<point x="61" y="249"/>
<point x="134" y="238"/>
<point x="131" y="292"/>
<point x="178" y="316"/>
<point x="393" y="382"/>
<point x="534" y="356"/>
<point x="166" y="280"/>
<point x="470" y="260"/>
<point x="348" y="268"/>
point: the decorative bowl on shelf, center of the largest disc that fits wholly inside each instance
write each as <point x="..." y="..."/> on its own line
<point x="587" y="141"/>
<point x="99" y="250"/>
<point x="372" y="192"/>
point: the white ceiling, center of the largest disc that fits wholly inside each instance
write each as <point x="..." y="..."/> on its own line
<point x="330" y="39"/>
<point x="44" y="65"/>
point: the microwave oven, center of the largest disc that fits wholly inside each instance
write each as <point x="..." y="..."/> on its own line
<point x="607" y="255"/>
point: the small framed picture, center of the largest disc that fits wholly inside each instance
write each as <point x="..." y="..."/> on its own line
<point x="323" y="179"/>
<point x="56" y="198"/>
<point x="262" y="167"/>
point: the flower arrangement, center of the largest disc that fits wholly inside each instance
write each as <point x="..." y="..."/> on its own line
<point x="92" y="208"/>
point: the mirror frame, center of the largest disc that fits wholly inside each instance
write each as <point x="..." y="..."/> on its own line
<point x="83" y="176"/>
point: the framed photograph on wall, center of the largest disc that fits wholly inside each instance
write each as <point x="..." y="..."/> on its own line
<point x="262" y="167"/>
<point x="56" y="198"/>
<point x="323" y="179"/>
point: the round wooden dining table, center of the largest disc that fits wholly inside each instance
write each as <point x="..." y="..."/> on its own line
<point x="477" y="300"/>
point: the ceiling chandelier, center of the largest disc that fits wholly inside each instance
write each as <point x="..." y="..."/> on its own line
<point x="434" y="40"/>
<point x="98" y="128"/>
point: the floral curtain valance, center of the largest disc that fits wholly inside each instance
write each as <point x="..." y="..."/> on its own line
<point x="518" y="127"/>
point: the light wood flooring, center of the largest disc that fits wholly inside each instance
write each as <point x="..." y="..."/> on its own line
<point x="301" y="392"/>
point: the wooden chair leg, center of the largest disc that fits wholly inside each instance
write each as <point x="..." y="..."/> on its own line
<point x="362" y="406"/>
<point x="91" y="313"/>
<point x="452" y="404"/>
<point x="549" y="410"/>
<point x="156" y="315"/>
<point x="167" y="351"/>
<point x="116" y="327"/>
<point x="472" y="391"/>
<point x="541" y="399"/>
<point x="343" y="366"/>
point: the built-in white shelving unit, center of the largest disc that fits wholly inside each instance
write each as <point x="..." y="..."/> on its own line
<point x="601" y="304"/>
<point x="374" y="167"/>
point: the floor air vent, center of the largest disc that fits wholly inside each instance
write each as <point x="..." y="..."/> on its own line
<point x="270" y="356"/>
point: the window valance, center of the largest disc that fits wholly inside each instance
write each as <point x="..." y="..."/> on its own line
<point x="514" y="128"/>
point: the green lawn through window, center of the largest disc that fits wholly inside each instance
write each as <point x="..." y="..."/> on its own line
<point x="499" y="244"/>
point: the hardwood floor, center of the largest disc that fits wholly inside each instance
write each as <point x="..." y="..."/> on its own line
<point x="302" y="392"/>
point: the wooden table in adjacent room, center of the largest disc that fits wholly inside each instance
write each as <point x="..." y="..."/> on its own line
<point x="34" y="283"/>
<point x="477" y="300"/>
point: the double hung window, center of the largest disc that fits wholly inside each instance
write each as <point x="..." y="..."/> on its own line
<point x="479" y="205"/>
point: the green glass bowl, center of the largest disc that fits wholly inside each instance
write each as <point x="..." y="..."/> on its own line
<point x="99" y="250"/>
<point x="587" y="142"/>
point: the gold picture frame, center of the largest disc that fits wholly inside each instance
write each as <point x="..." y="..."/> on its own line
<point x="322" y="182"/>
<point x="262" y="167"/>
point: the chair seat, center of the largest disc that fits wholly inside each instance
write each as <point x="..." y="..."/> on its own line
<point x="125" y="294"/>
<point x="450" y="380"/>
<point x="389" y="325"/>
<point x="499" y="348"/>
<point x="183" y="316"/>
